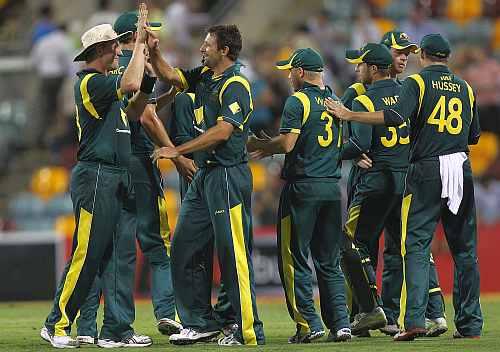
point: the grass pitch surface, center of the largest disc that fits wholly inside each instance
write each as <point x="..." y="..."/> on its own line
<point x="20" y="324"/>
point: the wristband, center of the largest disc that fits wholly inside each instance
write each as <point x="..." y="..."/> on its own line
<point x="147" y="84"/>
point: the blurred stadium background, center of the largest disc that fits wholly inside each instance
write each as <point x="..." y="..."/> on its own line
<point x="37" y="132"/>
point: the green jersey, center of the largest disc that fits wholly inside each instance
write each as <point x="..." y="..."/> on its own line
<point x="317" y="151"/>
<point x="224" y="97"/>
<point x="102" y="125"/>
<point x="387" y="147"/>
<point x="181" y="125"/>
<point x="351" y="93"/>
<point x="442" y="112"/>
<point x="141" y="143"/>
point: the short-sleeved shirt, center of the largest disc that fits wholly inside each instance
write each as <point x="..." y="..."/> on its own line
<point x="387" y="147"/>
<point x="102" y="125"/>
<point x="317" y="151"/>
<point x="442" y="112"/>
<point x="224" y="97"/>
<point x="141" y="143"/>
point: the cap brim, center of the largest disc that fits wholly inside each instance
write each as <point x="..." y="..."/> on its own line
<point x="354" y="56"/>
<point x="414" y="46"/>
<point x="154" y="26"/>
<point x="83" y="53"/>
<point x="284" y="65"/>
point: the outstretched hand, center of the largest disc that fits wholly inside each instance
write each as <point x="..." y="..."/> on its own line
<point x="141" y="23"/>
<point x="337" y="109"/>
<point x="152" y="41"/>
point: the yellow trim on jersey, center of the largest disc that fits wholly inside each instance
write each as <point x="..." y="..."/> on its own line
<point x="289" y="273"/>
<point x="367" y="103"/>
<point x="295" y="130"/>
<point x="352" y="220"/>
<point x="75" y="268"/>
<point x="78" y="126"/>
<point x="198" y="115"/>
<point x="421" y="85"/>
<point x="306" y="105"/>
<point x="191" y="95"/>
<point x="245" y="84"/>
<point x="405" y="209"/>
<point x="359" y="88"/>
<point x="184" y="82"/>
<point x="471" y="100"/>
<point x="205" y="69"/>
<point x="86" y="97"/>
<point x="164" y="227"/>
<point x="243" y="273"/>
<point x="437" y="289"/>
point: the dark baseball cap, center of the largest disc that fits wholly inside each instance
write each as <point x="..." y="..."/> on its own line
<point x="309" y="59"/>
<point x="372" y="54"/>
<point x="127" y="22"/>
<point x="399" y="40"/>
<point x="435" y="44"/>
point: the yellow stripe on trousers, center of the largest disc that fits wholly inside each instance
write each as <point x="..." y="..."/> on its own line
<point x="164" y="227"/>
<point x="240" y="255"/>
<point x="288" y="272"/>
<point x="75" y="268"/>
<point x="405" y="208"/>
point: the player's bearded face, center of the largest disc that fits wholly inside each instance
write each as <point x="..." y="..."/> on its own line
<point x="295" y="78"/>
<point x="399" y="59"/>
<point x="210" y="54"/>
<point x="363" y="71"/>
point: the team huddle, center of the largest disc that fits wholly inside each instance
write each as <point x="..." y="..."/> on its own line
<point x="408" y="141"/>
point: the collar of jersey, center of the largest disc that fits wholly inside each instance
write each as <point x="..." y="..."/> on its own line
<point x="126" y="52"/>
<point x="88" y="70"/>
<point x="389" y="82"/>
<point x="231" y="69"/>
<point x="438" y="68"/>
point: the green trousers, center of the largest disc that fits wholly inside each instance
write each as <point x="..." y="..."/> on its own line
<point x="309" y="223"/>
<point x="144" y="218"/>
<point x="222" y="311"/>
<point x="98" y="192"/>
<point x="421" y="210"/>
<point x="366" y="220"/>
<point x="216" y="211"/>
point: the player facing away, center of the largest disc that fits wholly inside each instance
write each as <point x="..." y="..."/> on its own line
<point x="443" y="117"/>
<point x="100" y="182"/>
<point x="218" y="201"/>
<point x="309" y="217"/>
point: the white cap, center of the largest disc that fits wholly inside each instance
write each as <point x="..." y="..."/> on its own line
<point x="95" y="35"/>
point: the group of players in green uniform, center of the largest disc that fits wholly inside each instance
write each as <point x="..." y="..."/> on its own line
<point x="408" y="142"/>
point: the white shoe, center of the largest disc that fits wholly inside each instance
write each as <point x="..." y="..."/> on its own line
<point x="86" y="340"/>
<point x="58" y="341"/>
<point x="369" y="321"/>
<point x="189" y="336"/>
<point x="306" y="337"/>
<point x="108" y="343"/>
<point x="229" y="341"/>
<point x="137" y="341"/>
<point x="341" y="335"/>
<point x="168" y="326"/>
<point x="435" y="327"/>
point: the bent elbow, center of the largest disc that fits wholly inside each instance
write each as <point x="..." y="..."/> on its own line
<point x="130" y="87"/>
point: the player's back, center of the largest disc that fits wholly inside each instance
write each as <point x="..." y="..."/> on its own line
<point x="317" y="151"/>
<point x="444" y="114"/>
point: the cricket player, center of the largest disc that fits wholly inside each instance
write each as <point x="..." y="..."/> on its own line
<point x="443" y="118"/>
<point x="309" y="217"/>
<point x="100" y="182"/>
<point x="218" y="199"/>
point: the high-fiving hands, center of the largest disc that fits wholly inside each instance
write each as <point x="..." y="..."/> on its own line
<point x="142" y="35"/>
<point x="337" y="109"/>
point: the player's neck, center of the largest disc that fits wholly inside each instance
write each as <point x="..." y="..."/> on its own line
<point x="222" y="66"/>
<point x="97" y="65"/>
<point x="380" y="78"/>
<point x="316" y="82"/>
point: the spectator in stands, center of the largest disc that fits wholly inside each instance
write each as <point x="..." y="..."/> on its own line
<point x="418" y="24"/>
<point x="103" y="14"/>
<point x="184" y="16"/>
<point x="483" y="74"/>
<point x="52" y="58"/>
<point x="364" y="29"/>
<point x="44" y="25"/>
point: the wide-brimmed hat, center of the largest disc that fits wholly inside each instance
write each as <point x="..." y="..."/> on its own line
<point x="99" y="34"/>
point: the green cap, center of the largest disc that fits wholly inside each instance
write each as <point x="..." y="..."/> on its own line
<point x="309" y="59"/>
<point x="372" y="54"/>
<point x="127" y="22"/>
<point x="436" y="45"/>
<point x="399" y="40"/>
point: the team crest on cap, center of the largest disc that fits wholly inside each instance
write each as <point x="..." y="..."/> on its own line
<point x="404" y="36"/>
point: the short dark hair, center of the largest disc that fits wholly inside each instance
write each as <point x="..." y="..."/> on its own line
<point x="227" y="35"/>
<point x="435" y="58"/>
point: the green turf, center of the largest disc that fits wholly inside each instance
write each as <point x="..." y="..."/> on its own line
<point x="20" y="324"/>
